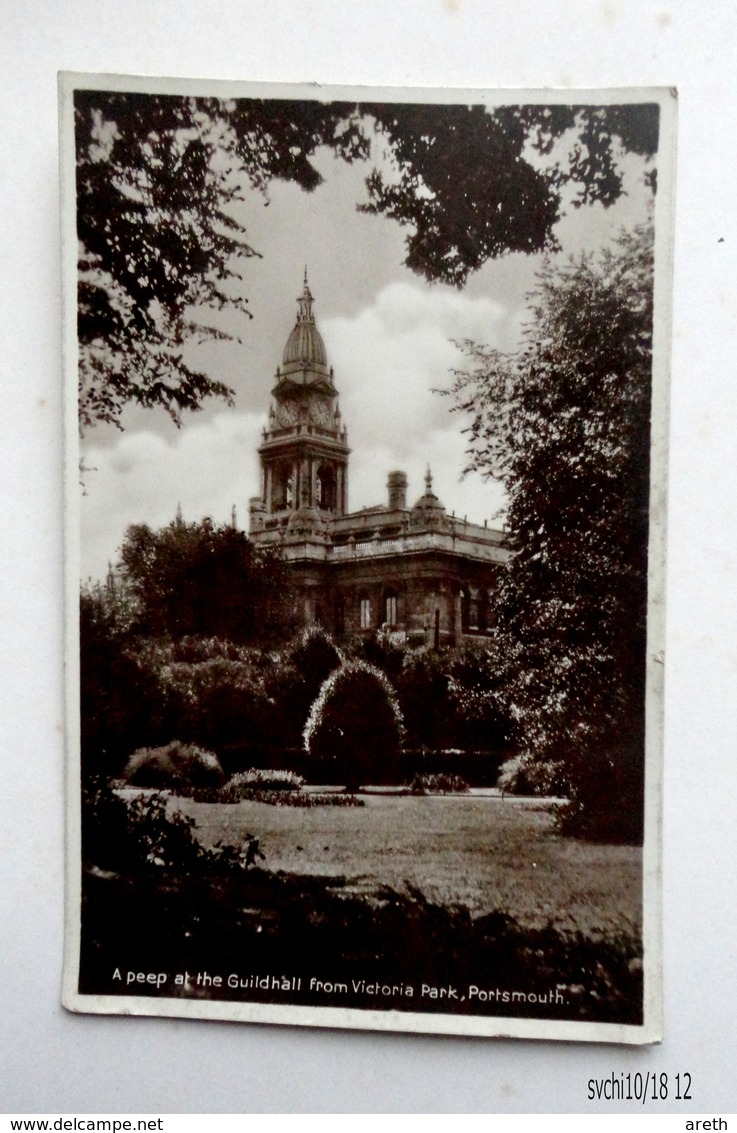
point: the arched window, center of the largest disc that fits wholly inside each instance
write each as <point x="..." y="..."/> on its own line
<point x="283" y="490"/>
<point x="326" y="488"/>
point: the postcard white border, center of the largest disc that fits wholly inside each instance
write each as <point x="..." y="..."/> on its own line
<point x="488" y="1026"/>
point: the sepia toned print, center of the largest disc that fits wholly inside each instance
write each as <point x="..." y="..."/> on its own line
<point x="365" y="554"/>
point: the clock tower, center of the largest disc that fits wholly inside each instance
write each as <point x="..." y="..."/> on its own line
<point x="304" y="451"/>
<point x="416" y="570"/>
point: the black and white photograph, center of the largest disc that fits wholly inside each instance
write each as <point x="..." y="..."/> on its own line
<point x="366" y="418"/>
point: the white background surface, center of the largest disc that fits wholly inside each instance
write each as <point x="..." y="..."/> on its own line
<point x="54" y="1062"/>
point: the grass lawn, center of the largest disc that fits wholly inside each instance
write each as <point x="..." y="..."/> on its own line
<point x="485" y="853"/>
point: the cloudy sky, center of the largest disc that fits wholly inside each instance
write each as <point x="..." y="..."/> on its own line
<point x="389" y="336"/>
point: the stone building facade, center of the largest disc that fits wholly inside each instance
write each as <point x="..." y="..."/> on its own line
<point x="415" y="569"/>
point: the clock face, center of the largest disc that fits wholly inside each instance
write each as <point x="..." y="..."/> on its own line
<point x="320" y="413"/>
<point x="286" y="412"/>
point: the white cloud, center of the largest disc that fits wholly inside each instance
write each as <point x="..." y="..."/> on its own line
<point x="389" y="360"/>
<point x="142" y="478"/>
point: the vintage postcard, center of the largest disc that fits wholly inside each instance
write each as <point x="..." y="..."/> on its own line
<point x="366" y="457"/>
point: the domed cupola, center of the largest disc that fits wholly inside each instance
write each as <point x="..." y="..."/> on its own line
<point x="305" y="349"/>
<point x="428" y="511"/>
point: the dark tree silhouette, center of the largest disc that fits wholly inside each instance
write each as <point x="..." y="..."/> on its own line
<point x="159" y="180"/>
<point x="565" y="424"/>
<point x="207" y="580"/>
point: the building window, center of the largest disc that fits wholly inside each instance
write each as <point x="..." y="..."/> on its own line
<point x="483" y="608"/>
<point x="365" y="606"/>
<point x="465" y="611"/>
<point x="326" y="488"/>
<point x="391" y="609"/>
<point x="283" y="490"/>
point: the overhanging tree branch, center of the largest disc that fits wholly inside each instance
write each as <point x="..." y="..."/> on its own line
<point x="160" y="179"/>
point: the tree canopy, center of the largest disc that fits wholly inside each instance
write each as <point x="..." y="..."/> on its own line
<point x="205" y="579"/>
<point x="160" y="178"/>
<point x="355" y="724"/>
<point x="157" y="180"/>
<point x="565" y="424"/>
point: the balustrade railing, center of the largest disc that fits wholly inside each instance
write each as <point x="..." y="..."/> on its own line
<point x="421" y="542"/>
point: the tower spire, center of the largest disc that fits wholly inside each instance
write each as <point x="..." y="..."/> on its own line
<point x="305" y="301"/>
<point x="305" y="347"/>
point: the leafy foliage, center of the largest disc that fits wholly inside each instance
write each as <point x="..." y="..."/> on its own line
<point x="210" y="692"/>
<point x="119" y="702"/>
<point x="386" y="648"/>
<point x="422" y="687"/>
<point x="304" y="664"/>
<point x="355" y="725"/>
<point x="122" y="833"/>
<point x="138" y="692"/>
<point x="240" y="701"/>
<point x="175" y="764"/>
<point x="162" y="646"/>
<point x="477" y="676"/>
<point x="565" y="425"/>
<point x="142" y="833"/>
<point x="161" y="179"/>
<point x="249" y="703"/>
<point x="441" y="783"/>
<point x="523" y="775"/>
<point x="256" y="778"/>
<point x="448" y="698"/>
<point x="205" y="579"/>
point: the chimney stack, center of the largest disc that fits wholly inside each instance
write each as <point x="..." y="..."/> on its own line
<point x="397" y="486"/>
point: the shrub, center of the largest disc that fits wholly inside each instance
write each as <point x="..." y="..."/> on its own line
<point x="524" y="776"/>
<point x="314" y="654"/>
<point x="442" y="783"/>
<point x="324" y="800"/>
<point x="478" y="672"/>
<point x="119" y="703"/>
<point x="355" y="725"/>
<point x="160" y="838"/>
<point x="422" y="687"/>
<point x="173" y="765"/>
<point x="219" y="698"/>
<point x="141" y="833"/>
<point x="514" y="778"/>
<point x="386" y="649"/>
<point x="606" y="796"/>
<point x="245" y="783"/>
